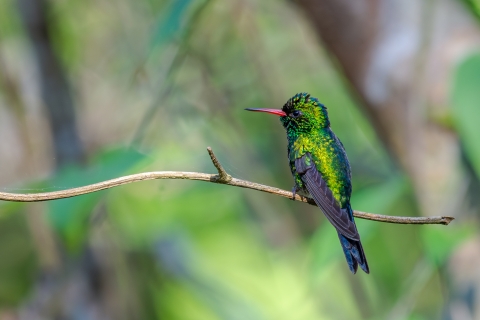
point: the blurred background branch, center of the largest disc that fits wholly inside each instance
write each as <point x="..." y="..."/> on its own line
<point x="55" y="89"/>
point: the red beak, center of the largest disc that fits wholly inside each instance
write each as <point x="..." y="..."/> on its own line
<point x="277" y="112"/>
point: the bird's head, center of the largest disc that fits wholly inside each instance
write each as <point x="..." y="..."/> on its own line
<point x="301" y="114"/>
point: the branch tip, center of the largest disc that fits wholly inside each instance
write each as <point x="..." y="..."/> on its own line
<point x="447" y="220"/>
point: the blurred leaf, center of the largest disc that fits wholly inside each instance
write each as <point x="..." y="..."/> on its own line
<point x="9" y="207"/>
<point x="171" y="23"/>
<point x="474" y="6"/>
<point x="381" y="197"/>
<point x="416" y="317"/>
<point x="466" y="97"/>
<point x="17" y="259"/>
<point x="10" y="24"/>
<point x="324" y="246"/>
<point x="70" y="216"/>
<point x="440" y="242"/>
<point x="178" y="255"/>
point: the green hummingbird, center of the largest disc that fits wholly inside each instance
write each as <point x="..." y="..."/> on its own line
<point x="320" y="168"/>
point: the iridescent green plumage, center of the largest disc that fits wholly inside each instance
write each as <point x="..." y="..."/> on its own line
<point x="321" y="169"/>
<point x="311" y="133"/>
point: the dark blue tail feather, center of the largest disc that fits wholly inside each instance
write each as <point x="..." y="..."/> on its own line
<point x="353" y="250"/>
<point x="354" y="254"/>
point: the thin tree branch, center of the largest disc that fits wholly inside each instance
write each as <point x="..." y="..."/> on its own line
<point x="222" y="177"/>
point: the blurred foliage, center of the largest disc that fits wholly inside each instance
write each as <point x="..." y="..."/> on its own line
<point x="465" y="98"/>
<point x="474" y="6"/>
<point x="200" y="251"/>
<point x="439" y="245"/>
<point x="70" y="216"/>
<point x="17" y="265"/>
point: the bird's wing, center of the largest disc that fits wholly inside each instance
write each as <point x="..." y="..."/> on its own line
<point x="323" y="196"/>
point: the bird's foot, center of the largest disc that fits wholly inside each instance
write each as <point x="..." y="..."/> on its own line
<point x="295" y="189"/>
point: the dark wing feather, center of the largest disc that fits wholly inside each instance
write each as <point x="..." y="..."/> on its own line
<point x="323" y="196"/>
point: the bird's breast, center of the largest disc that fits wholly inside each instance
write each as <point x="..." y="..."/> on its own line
<point x="330" y="160"/>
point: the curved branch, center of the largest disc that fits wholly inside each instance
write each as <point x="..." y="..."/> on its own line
<point x="222" y="178"/>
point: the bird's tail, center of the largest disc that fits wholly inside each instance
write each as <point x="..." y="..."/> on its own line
<point x="353" y="251"/>
<point x="354" y="254"/>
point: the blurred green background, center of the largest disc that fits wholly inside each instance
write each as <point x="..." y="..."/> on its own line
<point x="92" y="90"/>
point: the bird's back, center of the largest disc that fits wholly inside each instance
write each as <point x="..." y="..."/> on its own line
<point x="330" y="159"/>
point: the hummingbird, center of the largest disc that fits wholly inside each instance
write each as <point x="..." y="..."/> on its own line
<point x="320" y="168"/>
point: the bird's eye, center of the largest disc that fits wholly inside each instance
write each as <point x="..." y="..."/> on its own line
<point x="295" y="114"/>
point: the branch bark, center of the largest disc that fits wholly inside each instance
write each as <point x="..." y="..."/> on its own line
<point x="222" y="178"/>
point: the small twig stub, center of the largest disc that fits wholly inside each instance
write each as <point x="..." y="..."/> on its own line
<point x="223" y="176"/>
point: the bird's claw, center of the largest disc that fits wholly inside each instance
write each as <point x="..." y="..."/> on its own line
<point x="294" y="192"/>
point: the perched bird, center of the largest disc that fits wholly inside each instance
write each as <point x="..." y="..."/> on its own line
<point x="321" y="169"/>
